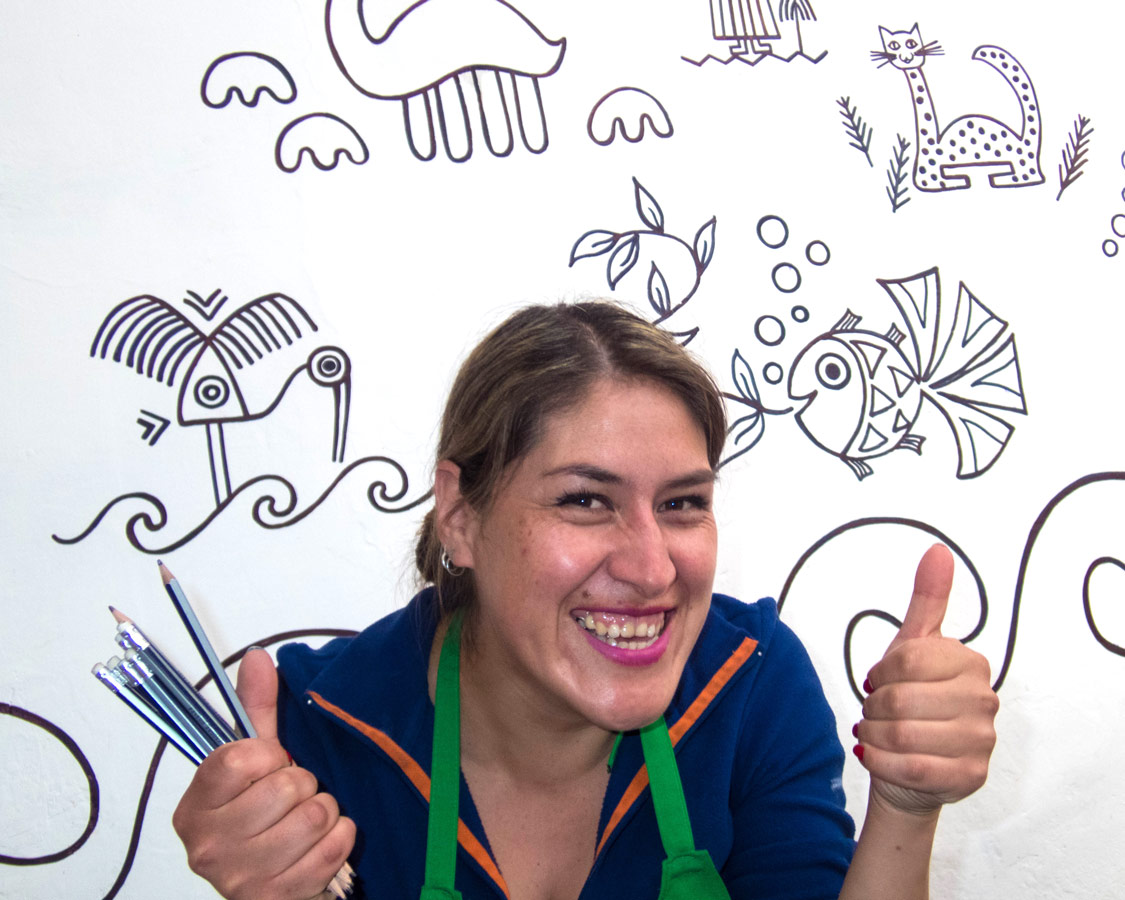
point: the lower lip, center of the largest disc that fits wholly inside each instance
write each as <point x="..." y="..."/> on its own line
<point x="645" y="657"/>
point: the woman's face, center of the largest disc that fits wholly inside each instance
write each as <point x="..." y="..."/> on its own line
<point x="595" y="560"/>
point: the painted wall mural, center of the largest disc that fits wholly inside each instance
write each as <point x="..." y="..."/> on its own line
<point x="860" y="316"/>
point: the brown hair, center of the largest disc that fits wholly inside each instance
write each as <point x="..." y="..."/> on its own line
<point x="539" y="362"/>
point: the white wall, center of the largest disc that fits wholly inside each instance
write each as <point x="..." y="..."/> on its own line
<point x="120" y="182"/>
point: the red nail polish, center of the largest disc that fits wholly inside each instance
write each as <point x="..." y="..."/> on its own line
<point x="290" y="755"/>
<point x="858" y="751"/>
<point x="867" y="688"/>
<point x="855" y="730"/>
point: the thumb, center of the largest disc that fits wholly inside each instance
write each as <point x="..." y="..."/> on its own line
<point x="932" y="583"/>
<point x="257" y="689"/>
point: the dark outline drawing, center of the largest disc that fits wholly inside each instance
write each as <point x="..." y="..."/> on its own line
<point x="753" y="26"/>
<point x="942" y="162"/>
<point x="223" y="67"/>
<point x="858" y="130"/>
<point x="431" y="25"/>
<point x="896" y="175"/>
<point x="318" y="142"/>
<point x="8" y="709"/>
<point x="1025" y="559"/>
<point x="267" y="510"/>
<point x="153" y="425"/>
<point x="154" y="338"/>
<point x="965" y="363"/>
<point x="1074" y="155"/>
<point x="613" y="114"/>
<point x="624" y="251"/>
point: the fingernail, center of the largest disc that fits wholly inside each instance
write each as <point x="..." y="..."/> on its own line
<point x="858" y="751"/>
<point x="867" y="688"/>
<point x="855" y="730"/>
<point x="290" y="755"/>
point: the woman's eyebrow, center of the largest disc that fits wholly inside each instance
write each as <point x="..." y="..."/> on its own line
<point x="696" y="478"/>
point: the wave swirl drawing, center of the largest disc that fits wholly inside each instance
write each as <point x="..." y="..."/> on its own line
<point x="275" y="505"/>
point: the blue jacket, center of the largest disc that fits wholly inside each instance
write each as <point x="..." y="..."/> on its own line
<point x="755" y="744"/>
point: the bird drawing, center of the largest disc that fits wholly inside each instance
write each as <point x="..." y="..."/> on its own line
<point x="157" y="340"/>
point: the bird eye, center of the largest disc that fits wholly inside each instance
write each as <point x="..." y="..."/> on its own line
<point x="833" y="371"/>
<point x="212" y="392"/>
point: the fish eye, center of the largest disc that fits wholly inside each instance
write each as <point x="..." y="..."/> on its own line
<point x="212" y="392"/>
<point x="833" y="371"/>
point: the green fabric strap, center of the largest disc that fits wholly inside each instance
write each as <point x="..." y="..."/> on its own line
<point x="687" y="873"/>
<point x="445" y="775"/>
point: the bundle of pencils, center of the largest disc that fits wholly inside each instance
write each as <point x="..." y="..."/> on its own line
<point x="145" y="680"/>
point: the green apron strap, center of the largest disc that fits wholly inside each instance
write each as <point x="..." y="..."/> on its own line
<point x="445" y="775"/>
<point x="687" y="873"/>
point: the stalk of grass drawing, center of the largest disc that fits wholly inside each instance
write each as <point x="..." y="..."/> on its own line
<point x="858" y="130"/>
<point x="1074" y="154"/>
<point x="896" y="175"/>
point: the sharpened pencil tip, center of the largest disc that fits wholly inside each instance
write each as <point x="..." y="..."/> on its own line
<point x="166" y="576"/>
<point x="119" y="615"/>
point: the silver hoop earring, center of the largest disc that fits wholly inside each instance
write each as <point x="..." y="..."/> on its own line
<point x="447" y="564"/>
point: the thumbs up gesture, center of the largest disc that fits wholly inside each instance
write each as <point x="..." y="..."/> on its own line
<point x="254" y="824"/>
<point x="927" y="730"/>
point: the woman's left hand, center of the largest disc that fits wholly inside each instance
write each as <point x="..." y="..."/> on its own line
<point x="927" y="731"/>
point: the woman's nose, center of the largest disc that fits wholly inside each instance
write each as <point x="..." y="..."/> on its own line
<point x="641" y="557"/>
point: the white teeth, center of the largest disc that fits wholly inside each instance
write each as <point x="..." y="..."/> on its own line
<point x="652" y="631"/>
<point x="614" y="631"/>
<point x="627" y="630"/>
<point x="600" y="628"/>
<point x="589" y="623"/>
<point x="628" y="635"/>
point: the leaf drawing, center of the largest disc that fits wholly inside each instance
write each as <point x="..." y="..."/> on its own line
<point x="592" y="243"/>
<point x="858" y="130"/>
<point x="623" y="258"/>
<point x="1074" y="155"/>
<point x="658" y="295"/>
<point x="743" y="377"/>
<point x="648" y="209"/>
<point x="704" y="244"/>
<point x="896" y="175"/>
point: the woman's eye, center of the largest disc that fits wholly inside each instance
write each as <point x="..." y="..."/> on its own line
<point x="583" y="500"/>
<point x="683" y="504"/>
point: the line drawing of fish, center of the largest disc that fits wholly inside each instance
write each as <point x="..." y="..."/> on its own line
<point x="861" y="392"/>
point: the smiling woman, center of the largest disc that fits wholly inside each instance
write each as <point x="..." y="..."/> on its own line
<point x="566" y="710"/>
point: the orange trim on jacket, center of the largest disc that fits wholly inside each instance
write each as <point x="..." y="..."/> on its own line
<point x="420" y="780"/>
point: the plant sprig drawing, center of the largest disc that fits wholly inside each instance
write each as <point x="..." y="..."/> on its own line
<point x="858" y="130"/>
<point x="1074" y="154"/>
<point x="896" y="175"/>
<point x="675" y="267"/>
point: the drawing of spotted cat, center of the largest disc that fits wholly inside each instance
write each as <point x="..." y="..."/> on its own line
<point x="947" y="155"/>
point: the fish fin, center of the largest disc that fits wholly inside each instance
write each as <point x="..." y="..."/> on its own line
<point x="993" y="381"/>
<point x="894" y="335"/>
<point x="859" y="468"/>
<point x="912" y="442"/>
<point x="918" y="298"/>
<point x="974" y="335"/>
<point x="849" y="321"/>
<point x="981" y="436"/>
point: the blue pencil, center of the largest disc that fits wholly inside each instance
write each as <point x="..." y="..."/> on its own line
<point x="203" y="645"/>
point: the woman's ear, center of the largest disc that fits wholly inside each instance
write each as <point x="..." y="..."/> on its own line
<point x="456" y="521"/>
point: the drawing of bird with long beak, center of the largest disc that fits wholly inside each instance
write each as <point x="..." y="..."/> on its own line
<point x="157" y="340"/>
<point x="863" y="391"/>
<point x="443" y="59"/>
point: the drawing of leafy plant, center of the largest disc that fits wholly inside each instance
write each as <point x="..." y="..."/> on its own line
<point x="858" y="130"/>
<point x="625" y="250"/>
<point x="1074" y="154"/>
<point x="896" y="175"/>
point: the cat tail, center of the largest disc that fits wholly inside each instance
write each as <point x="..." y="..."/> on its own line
<point x="1018" y="80"/>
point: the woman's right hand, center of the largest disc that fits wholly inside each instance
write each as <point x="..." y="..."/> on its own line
<point x="252" y="822"/>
